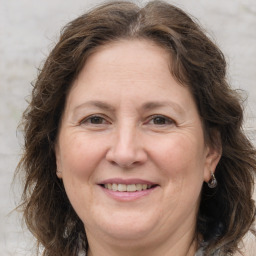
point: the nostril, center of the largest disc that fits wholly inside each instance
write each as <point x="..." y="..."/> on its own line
<point x="113" y="162"/>
<point x="126" y="152"/>
<point x="124" y="164"/>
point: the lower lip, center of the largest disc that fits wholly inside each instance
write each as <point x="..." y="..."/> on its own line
<point x="128" y="196"/>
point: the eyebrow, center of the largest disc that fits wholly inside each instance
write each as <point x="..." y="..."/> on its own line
<point x="158" y="104"/>
<point x="95" y="103"/>
<point x="145" y="107"/>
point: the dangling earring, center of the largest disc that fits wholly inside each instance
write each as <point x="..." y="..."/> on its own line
<point x="212" y="182"/>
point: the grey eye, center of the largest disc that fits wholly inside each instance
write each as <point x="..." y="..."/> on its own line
<point x="160" y="120"/>
<point x="96" y="120"/>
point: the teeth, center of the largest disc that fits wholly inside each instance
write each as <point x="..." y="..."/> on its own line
<point x="131" y="188"/>
<point x="114" y="187"/>
<point x="121" y="187"/>
<point x="138" y="187"/>
<point x="127" y="188"/>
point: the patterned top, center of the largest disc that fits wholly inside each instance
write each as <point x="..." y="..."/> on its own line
<point x="200" y="252"/>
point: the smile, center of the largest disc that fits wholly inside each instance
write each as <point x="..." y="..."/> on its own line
<point x="127" y="187"/>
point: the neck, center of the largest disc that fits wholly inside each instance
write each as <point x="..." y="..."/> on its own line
<point x="185" y="245"/>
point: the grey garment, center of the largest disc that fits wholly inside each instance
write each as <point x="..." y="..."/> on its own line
<point x="200" y="252"/>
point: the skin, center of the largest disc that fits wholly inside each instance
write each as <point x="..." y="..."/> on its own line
<point x="147" y="126"/>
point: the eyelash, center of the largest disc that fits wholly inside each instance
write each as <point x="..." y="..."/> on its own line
<point x="163" y="120"/>
<point x="167" y="120"/>
<point x="88" y="120"/>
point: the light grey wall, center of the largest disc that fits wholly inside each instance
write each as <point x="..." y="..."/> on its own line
<point x="29" y="29"/>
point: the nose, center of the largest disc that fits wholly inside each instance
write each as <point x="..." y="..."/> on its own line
<point x="126" y="148"/>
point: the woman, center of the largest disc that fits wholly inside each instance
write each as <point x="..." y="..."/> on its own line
<point x="133" y="140"/>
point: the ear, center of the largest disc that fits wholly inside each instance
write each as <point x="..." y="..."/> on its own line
<point x="58" y="162"/>
<point x="212" y="157"/>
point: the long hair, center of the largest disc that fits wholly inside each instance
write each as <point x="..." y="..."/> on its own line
<point x="227" y="212"/>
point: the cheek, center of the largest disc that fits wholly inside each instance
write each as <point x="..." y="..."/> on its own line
<point x="80" y="156"/>
<point x="179" y="153"/>
<point x="79" y="159"/>
<point x="181" y="161"/>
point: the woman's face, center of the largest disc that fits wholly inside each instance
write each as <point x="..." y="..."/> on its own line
<point x="131" y="149"/>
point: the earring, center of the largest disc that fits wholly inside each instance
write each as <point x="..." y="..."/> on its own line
<point x="212" y="182"/>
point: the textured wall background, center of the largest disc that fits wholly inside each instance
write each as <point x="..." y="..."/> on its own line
<point x="29" y="29"/>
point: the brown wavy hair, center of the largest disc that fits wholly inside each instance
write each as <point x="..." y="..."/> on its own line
<point x="226" y="212"/>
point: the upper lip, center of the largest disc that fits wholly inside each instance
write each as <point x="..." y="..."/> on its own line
<point x="126" y="181"/>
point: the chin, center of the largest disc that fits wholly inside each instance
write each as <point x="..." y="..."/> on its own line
<point x="126" y="226"/>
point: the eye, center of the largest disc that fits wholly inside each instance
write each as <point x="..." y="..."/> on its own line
<point x="160" y="120"/>
<point x="94" y="120"/>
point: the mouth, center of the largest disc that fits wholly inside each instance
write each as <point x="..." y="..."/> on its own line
<point x="127" y="189"/>
<point x="119" y="187"/>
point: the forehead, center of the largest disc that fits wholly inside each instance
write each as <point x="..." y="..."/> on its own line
<point x="125" y="59"/>
<point x="127" y="67"/>
<point x="127" y="55"/>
